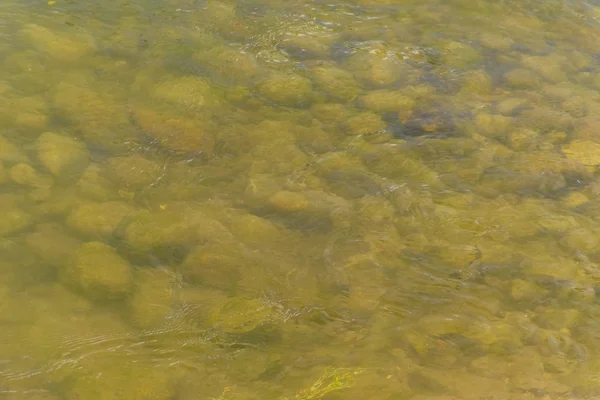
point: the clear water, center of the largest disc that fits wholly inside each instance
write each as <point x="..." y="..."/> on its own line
<point x="250" y="199"/>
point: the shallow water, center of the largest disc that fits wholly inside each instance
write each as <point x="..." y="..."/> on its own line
<point x="300" y="200"/>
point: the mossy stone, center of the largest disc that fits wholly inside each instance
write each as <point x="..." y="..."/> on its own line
<point x="25" y="174"/>
<point x="99" y="219"/>
<point x="128" y="380"/>
<point x="61" y="46"/>
<point x="99" y="272"/>
<point x="61" y="154"/>
<point x="176" y="132"/>
<point x="152" y="297"/>
<point x="336" y="82"/>
<point x="10" y="153"/>
<point x="387" y="101"/>
<point x="287" y="89"/>
<point x="460" y="55"/>
<point x="133" y="171"/>
<point x="239" y="315"/>
<point x="149" y="231"/>
<point x="365" y="123"/>
<point x="521" y="78"/>
<point x="188" y="92"/>
<point x="52" y="244"/>
<point x="582" y="239"/>
<point x="216" y="265"/>
<point x="585" y="152"/>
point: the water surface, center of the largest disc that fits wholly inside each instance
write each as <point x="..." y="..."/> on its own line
<point x="255" y="199"/>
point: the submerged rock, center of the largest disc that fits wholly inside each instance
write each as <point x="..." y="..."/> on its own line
<point x="107" y="380"/>
<point x="287" y="90"/>
<point x="387" y="101"/>
<point x="25" y="174"/>
<point x="10" y="153"/>
<point x="61" y="46"/>
<point x="176" y="132"/>
<point x="239" y="315"/>
<point x="189" y="93"/>
<point x="102" y="118"/>
<point x="336" y="82"/>
<point x="365" y="123"/>
<point x="584" y="151"/>
<point x="62" y="155"/>
<point x="31" y="113"/>
<point x="99" y="219"/>
<point x="228" y="63"/>
<point x="460" y="55"/>
<point x="152" y="297"/>
<point x="521" y="78"/>
<point x="13" y="220"/>
<point x="378" y="67"/>
<point x="216" y="265"/>
<point x="94" y="185"/>
<point x="133" y="171"/>
<point x="99" y="272"/>
<point x="154" y="230"/>
<point x="52" y="244"/>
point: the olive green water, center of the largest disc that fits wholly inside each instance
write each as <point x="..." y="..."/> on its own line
<point x="259" y="199"/>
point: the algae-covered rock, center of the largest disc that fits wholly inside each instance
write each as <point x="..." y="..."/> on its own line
<point x="189" y="93"/>
<point x="581" y="239"/>
<point x="525" y="290"/>
<point x="133" y="171"/>
<point x="460" y="55"/>
<point x="61" y="46"/>
<point x="152" y="297"/>
<point x="159" y="230"/>
<point x="387" y="101"/>
<point x="110" y="380"/>
<point x="308" y="210"/>
<point x="25" y="174"/>
<point x="508" y="106"/>
<point x="477" y="82"/>
<point x="3" y="174"/>
<point x="216" y="265"/>
<point x="61" y="154"/>
<point x="287" y="89"/>
<point x="559" y="318"/>
<point x="102" y="119"/>
<point x="585" y="152"/>
<point x="550" y="67"/>
<point x="99" y="272"/>
<point x="521" y="78"/>
<point x="99" y="219"/>
<point x="495" y="41"/>
<point x="28" y="395"/>
<point x="329" y="112"/>
<point x="228" y="63"/>
<point x="492" y="125"/>
<point x="94" y="185"/>
<point x="239" y="315"/>
<point x="365" y="123"/>
<point x="289" y="201"/>
<point x="13" y="220"/>
<point x="176" y="132"/>
<point x="31" y="112"/>
<point x="523" y="139"/>
<point x="378" y="67"/>
<point x="10" y="153"/>
<point x="255" y="231"/>
<point x="575" y="199"/>
<point x="336" y="82"/>
<point x="52" y="244"/>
